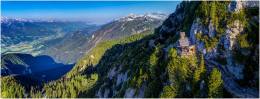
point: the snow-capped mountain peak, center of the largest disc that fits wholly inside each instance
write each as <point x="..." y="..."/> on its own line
<point x="156" y="15"/>
<point x="7" y="19"/>
<point x="4" y="19"/>
<point x="132" y="16"/>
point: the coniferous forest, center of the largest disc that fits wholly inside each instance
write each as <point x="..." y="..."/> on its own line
<point x="202" y="49"/>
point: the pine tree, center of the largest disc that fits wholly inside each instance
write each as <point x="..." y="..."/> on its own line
<point x="168" y="92"/>
<point x="153" y="61"/>
<point x="215" y="84"/>
<point x="199" y="74"/>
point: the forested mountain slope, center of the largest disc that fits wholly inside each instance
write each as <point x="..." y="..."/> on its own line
<point x="223" y="64"/>
<point x="41" y="68"/>
<point x="222" y="32"/>
<point x="73" y="46"/>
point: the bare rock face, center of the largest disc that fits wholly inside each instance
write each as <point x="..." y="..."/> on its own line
<point x="229" y="44"/>
<point x="129" y="93"/>
<point x="195" y="28"/>
<point x="250" y="4"/>
<point x="201" y="47"/>
<point x="121" y="78"/>
<point x="231" y="34"/>
<point x="141" y="91"/>
<point x="112" y="73"/>
<point x="211" y="54"/>
<point x="111" y="88"/>
<point x="229" y="41"/>
<point x="209" y="30"/>
<point x="235" y="6"/>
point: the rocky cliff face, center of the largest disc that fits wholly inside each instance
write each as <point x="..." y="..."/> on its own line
<point x="236" y="6"/>
<point x="217" y="42"/>
<point x="228" y="38"/>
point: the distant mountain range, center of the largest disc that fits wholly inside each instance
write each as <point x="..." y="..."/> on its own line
<point x="31" y="37"/>
<point x="68" y="41"/>
<point x="74" y="45"/>
<point x="131" y="24"/>
<point x="7" y="19"/>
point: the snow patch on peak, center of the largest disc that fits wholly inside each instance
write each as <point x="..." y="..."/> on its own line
<point x="131" y="16"/>
<point x="7" y="19"/>
<point x="156" y="15"/>
<point x="4" y="19"/>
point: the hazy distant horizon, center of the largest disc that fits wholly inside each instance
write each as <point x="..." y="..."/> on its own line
<point x="78" y="19"/>
<point x="97" y="12"/>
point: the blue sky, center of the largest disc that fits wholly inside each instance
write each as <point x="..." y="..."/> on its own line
<point x="92" y="11"/>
